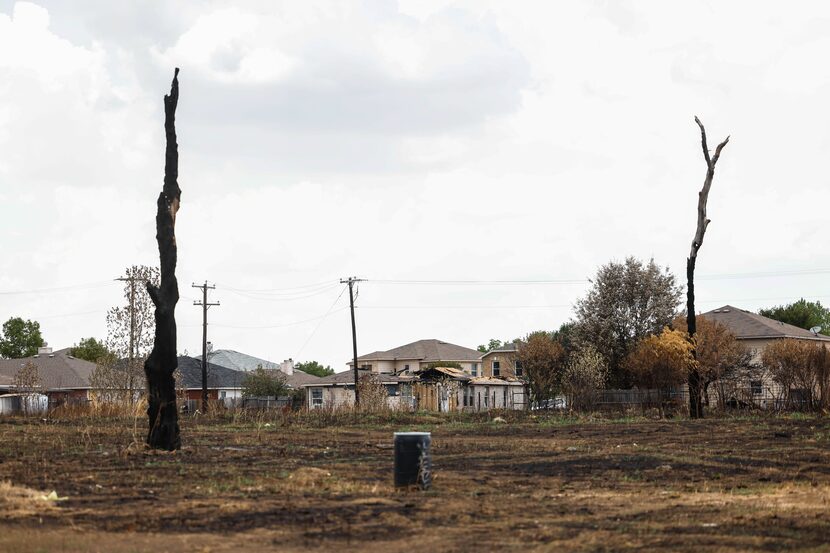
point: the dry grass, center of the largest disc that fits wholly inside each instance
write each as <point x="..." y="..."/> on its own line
<point x="18" y="502"/>
<point x="262" y="481"/>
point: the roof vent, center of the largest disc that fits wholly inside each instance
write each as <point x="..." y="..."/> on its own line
<point x="51" y="355"/>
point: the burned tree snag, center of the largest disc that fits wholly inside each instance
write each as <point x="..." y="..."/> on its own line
<point x="695" y="383"/>
<point x="159" y="367"/>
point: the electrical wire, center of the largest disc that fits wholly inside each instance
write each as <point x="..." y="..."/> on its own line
<point x="316" y="328"/>
<point x="83" y="286"/>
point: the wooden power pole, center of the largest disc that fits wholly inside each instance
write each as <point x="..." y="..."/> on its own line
<point x="205" y="304"/>
<point x="351" y="281"/>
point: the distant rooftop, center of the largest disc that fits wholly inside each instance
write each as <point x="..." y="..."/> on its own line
<point x="745" y="324"/>
<point x="425" y="350"/>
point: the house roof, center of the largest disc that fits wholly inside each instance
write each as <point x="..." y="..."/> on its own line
<point x="425" y="350"/>
<point x="57" y="370"/>
<point x="345" y="378"/>
<point x="218" y="376"/>
<point x="243" y="362"/>
<point x="238" y="361"/>
<point x="451" y="372"/>
<point x="496" y="381"/>
<point x="512" y="347"/>
<point x="745" y="324"/>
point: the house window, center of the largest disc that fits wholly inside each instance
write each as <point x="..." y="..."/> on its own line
<point x="406" y="367"/>
<point x="223" y="394"/>
<point x="519" y="369"/>
<point x="406" y="392"/>
<point x="474" y="369"/>
<point x="316" y="397"/>
<point x="487" y="396"/>
<point x="504" y="398"/>
<point x="756" y="386"/>
<point x="496" y="368"/>
<point x="391" y="390"/>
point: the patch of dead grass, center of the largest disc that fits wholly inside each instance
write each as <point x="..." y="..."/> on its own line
<point x="19" y="502"/>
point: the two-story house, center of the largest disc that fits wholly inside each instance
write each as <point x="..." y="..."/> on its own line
<point x="502" y="362"/>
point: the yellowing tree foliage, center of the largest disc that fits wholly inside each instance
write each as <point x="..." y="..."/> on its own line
<point x="661" y="361"/>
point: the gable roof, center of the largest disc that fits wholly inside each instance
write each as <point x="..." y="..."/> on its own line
<point x="425" y="350"/>
<point x="218" y="376"/>
<point x="243" y="362"/>
<point x="57" y="370"/>
<point x="346" y="378"/>
<point x="238" y="361"/>
<point x="511" y="347"/>
<point x="745" y="324"/>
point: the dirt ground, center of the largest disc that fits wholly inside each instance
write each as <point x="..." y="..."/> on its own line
<point x="534" y="484"/>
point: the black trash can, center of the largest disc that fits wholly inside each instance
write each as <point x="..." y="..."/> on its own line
<point x="413" y="466"/>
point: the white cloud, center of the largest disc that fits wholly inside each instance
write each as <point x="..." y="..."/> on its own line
<point x="439" y="140"/>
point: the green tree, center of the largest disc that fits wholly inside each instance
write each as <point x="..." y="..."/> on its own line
<point x="314" y="368"/>
<point x="20" y="338"/>
<point x="627" y="302"/>
<point x="802" y="313"/>
<point x="90" y="349"/>
<point x="491" y="345"/>
<point x="264" y="383"/>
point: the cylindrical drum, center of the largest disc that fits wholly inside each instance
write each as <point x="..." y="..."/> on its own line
<point x="413" y="466"/>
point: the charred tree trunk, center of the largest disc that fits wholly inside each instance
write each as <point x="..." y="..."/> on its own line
<point x="159" y="367"/>
<point x="695" y="381"/>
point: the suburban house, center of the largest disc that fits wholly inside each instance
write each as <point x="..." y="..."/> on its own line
<point x="222" y="383"/>
<point x="62" y="377"/>
<point x="414" y="378"/>
<point x="416" y="355"/>
<point x="446" y="389"/>
<point x="294" y="378"/>
<point x="756" y="332"/>
<point x="502" y="361"/>
<point x="337" y="390"/>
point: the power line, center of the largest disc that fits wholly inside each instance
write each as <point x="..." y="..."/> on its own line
<point x="287" y="290"/>
<point x="720" y="276"/>
<point x="269" y="297"/>
<point x="322" y="320"/>
<point x="84" y="286"/>
<point x="281" y="325"/>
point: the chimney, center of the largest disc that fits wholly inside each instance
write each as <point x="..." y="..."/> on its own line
<point x="287" y="366"/>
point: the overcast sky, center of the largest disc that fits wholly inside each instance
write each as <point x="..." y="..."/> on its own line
<point x="406" y="141"/>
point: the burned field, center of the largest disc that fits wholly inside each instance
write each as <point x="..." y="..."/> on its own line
<point x="529" y="484"/>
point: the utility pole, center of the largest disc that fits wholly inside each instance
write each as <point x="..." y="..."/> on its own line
<point x="204" y="303"/>
<point x="351" y="281"/>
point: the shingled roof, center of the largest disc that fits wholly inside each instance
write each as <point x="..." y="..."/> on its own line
<point x="57" y="370"/>
<point x="745" y="325"/>
<point x="346" y="378"/>
<point x="218" y="376"/>
<point x="426" y="351"/>
<point x="243" y="362"/>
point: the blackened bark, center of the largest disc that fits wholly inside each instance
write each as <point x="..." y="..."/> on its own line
<point x="161" y="363"/>
<point x="695" y="400"/>
<point x="695" y="384"/>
